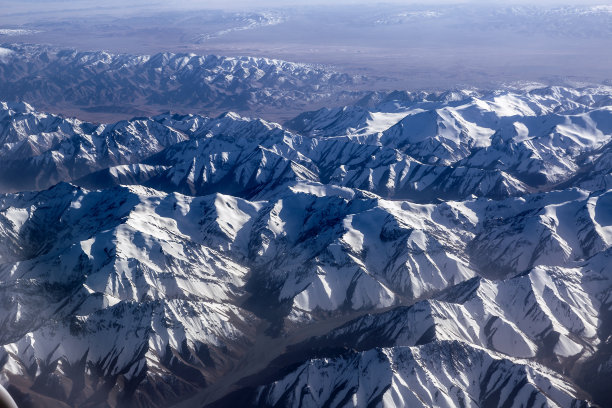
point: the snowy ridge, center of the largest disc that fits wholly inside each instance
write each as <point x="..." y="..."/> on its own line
<point x="124" y="273"/>
<point x="404" y="376"/>
<point x="484" y="313"/>
<point x="492" y="144"/>
<point x="52" y="78"/>
<point x="421" y="147"/>
<point x="151" y="258"/>
<point x="40" y="150"/>
<point x="460" y="240"/>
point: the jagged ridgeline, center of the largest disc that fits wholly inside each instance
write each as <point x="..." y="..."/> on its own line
<point x="413" y="249"/>
<point x="104" y="85"/>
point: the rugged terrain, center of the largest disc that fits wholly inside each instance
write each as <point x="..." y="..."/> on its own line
<point x="432" y="248"/>
<point x="100" y="85"/>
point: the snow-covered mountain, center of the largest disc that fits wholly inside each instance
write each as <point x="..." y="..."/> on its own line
<point x="421" y="147"/>
<point x="40" y="150"/>
<point x="404" y="376"/>
<point x="101" y="82"/>
<point x="427" y="249"/>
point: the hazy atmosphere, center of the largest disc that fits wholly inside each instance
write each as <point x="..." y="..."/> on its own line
<point x="414" y="45"/>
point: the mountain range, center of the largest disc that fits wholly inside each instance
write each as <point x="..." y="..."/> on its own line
<point x="411" y="249"/>
<point x="91" y="83"/>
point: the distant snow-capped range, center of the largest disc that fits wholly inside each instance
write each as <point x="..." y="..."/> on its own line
<point x="565" y="21"/>
<point x="413" y="249"/>
<point x="16" y="31"/>
<point x="81" y="81"/>
<point x="243" y="22"/>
